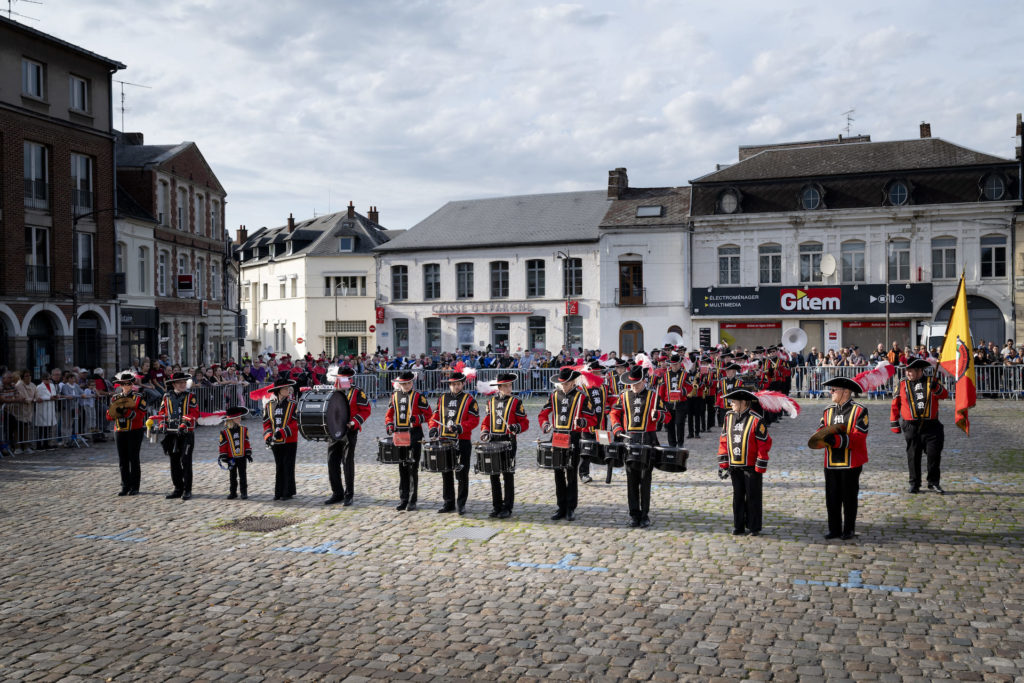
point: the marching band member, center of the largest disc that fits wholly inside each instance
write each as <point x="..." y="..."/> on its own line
<point x="602" y="401"/>
<point x="234" y="450"/>
<point x="845" y="425"/>
<point x="341" y="454"/>
<point x="179" y="410"/>
<point x="128" y="413"/>
<point x="456" y="416"/>
<point x="281" y="433"/>
<point x="743" y="456"/>
<point x="504" y="420"/>
<point x="568" y="412"/>
<point x="915" y="412"/>
<point x="408" y="410"/>
<point x="728" y="383"/>
<point x="675" y="394"/>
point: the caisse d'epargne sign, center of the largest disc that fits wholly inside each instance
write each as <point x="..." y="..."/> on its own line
<point x="842" y="300"/>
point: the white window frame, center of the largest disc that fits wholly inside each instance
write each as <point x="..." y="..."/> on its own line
<point x="729" y="257"/>
<point x="161" y="272"/>
<point x="143" y="270"/>
<point x="33" y="78"/>
<point x="182" y="209"/>
<point x="198" y="285"/>
<point x="770" y="262"/>
<point x="943" y="247"/>
<point x="997" y="246"/>
<point x="898" y="260"/>
<point x="810" y="261"/>
<point x="851" y="271"/>
<point x="81" y="181"/>
<point x="78" y="94"/>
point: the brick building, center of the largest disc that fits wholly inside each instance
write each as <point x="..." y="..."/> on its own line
<point x="56" y="135"/>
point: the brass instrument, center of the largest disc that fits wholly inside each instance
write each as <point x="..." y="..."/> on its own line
<point x="120" y="405"/>
<point x="817" y="440"/>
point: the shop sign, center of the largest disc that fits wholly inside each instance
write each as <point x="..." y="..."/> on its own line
<point x="915" y="299"/>
<point x="483" y="308"/>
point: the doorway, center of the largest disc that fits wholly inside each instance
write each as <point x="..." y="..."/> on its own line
<point x="631" y="339"/>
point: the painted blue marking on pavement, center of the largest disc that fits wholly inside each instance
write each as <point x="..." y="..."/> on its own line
<point x="876" y="493"/>
<point x="854" y="581"/>
<point x="561" y="564"/>
<point x="322" y="549"/>
<point x="976" y="480"/>
<point x="123" y="536"/>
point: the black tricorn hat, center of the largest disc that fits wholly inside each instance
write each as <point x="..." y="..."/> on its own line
<point x="456" y="377"/>
<point x="179" y="377"/>
<point x="280" y="383"/>
<point x="347" y="372"/>
<point x="844" y="383"/>
<point x="740" y="395"/>
<point x="917" y="364"/>
<point x="595" y="366"/>
<point x="733" y="366"/>
<point x="565" y="375"/>
<point x="236" y="411"/>
<point x="675" y="358"/>
<point x="621" y="363"/>
<point x="506" y="378"/>
<point x="636" y="374"/>
<point x="126" y="378"/>
<point x="407" y="376"/>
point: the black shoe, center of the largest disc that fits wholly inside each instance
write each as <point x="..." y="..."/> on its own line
<point x="504" y="514"/>
<point x="334" y="499"/>
<point x="402" y="506"/>
<point x="173" y="494"/>
<point x="585" y="478"/>
<point x="914" y="489"/>
<point x="695" y="436"/>
<point x="412" y="506"/>
<point x="286" y="497"/>
<point x="755" y="533"/>
<point x="277" y="497"/>
<point x="558" y="515"/>
<point x="123" y="492"/>
<point x="232" y="496"/>
<point x="690" y="436"/>
<point x="133" y="492"/>
<point x="244" y="496"/>
<point x="186" y="495"/>
<point x="832" y="534"/>
<point x="634" y="523"/>
<point x="570" y="515"/>
<point x="462" y="510"/>
<point x="645" y="522"/>
<point x="847" y="535"/>
<point x="938" y="489"/>
<point x="446" y="509"/>
<point x="738" y="532"/>
<point x="494" y="514"/>
<point x="348" y="500"/>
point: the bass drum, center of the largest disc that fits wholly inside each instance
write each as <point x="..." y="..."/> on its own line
<point x="322" y="415"/>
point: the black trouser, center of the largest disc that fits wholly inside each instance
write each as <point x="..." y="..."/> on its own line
<point x="584" y="462"/>
<point x="927" y="436"/>
<point x="566" y="486"/>
<point x="695" y="411"/>
<point x="712" y="414"/>
<point x="638" y="480"/>
<point x="465" y="447"/>
<point x="409" y="474"/>
<point x="675" y="430"/>
<point x="178" y="446"/>
<point x="284" y="472"/>
<point x="128" y="444"/>
<point x="841" y="488"/>
<point x="499" y="501"/>
<point x="237" y="477"/>
<point x="746" y="498"/>
<point x="341" y="457"/>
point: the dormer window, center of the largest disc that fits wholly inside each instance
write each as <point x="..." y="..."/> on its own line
<point x="897" y="193"/>
<point x="993" y="187"/>
<point x="729" y="201"/>
<point x="811" y="198"/>
<point x="648" y="211"/>
<point x="346" y="244"/>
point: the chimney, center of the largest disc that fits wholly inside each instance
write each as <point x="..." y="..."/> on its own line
<point x="351" y="210"/>
<point x="291" y="223"/>
<point x="1020" y="132"/>
<point x="131" y="138"/>
<point x="373" y="215"/>
<point x="926" y="130"/>
<point x="242" y="235"/>
<point x="618" y="183"/>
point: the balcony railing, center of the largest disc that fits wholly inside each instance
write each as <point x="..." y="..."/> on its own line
<point x="86" y="278"/>
<point x="82" y="199"/>
<point x="37" y="279"/>
<point x="37" y="193"/>
<point x="634" y="296"/>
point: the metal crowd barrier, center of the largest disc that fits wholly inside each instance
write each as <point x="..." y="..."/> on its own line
<point x="65" y="421"/>
<point x="992" y="381"/>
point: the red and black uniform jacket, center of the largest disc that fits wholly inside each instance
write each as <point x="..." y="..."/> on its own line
<point x="850" y="448"/>
<point x="917" y="400"/>
<point x="778" y="370"/>
<point x="234" y="442"/>
<point x="677" y="386"/>
<point x="358" y="406"/>
<point x="723" y="387"/>
<point x="455" y="409"/>
<point x="408" y="411"/>
<point x="637" y="412"/>
<point x="744" y="442"/>
<point x="615" y="385"/>
<point x="501" y="413"/>
<point x="133" y="417"/>
<point x="280" y="425"/>
<point x="562" y="411"/>
<point x="602" y="400"/>
<point x="179" y="411"/>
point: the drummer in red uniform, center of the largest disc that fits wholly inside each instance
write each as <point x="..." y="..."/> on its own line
<point x="504" y="420"/>
<point x="635" y="418"/>
<point x="341" y="454"/>
<point x="569" y="412"/>
<point x="408" y="411"/>
<point x="457" y="414"/>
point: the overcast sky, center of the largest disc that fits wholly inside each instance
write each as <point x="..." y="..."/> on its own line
<point x="301" y="106"/>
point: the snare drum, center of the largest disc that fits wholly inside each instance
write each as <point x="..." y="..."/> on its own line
<point x="613" y="454"/>
<point x="494" y="457"/>
<point x="671" y="459"/>
<point x="322" y="414"/>
<point x="591" y="450"/>
<point x="637" y="454"/>
<point x="440" y="455"/>
<point x="390" y="454"/>
<point x="551" y="458"/>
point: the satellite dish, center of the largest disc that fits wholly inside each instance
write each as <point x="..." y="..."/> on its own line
<point x="828" y="264"/>
<point x="794" y="339"/>
<point x="672" y="339"/>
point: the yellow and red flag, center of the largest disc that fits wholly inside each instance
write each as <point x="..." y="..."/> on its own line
<point x="957" y="357"/>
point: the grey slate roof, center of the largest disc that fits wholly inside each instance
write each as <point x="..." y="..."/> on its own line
<point x="866" y="157"/>
<point x="137" y="156"/>
<point x="63" y="43"/>
<point x="675" y="203"/>
<point x="319" y="237"/>
<point x="506" y="221"/>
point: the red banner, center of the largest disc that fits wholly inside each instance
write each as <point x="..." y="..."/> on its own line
<point x="572" y="307"/>
<point x="749" y="326"/>
<point x="380" y="314"/>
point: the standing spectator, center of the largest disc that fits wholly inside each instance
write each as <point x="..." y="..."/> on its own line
<point x="45" y="418"/>
<point x="8" y="395"/>
<point x="23" y="411"/>
<point x="70" y="409"/>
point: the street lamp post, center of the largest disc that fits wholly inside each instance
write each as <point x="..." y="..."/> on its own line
<point x="74" y="274"/>
<point x="564" y="256"/>
<point x="335" y="338"/>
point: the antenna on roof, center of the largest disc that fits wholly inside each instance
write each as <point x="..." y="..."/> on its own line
<point x="849" y="119"/>
<point x="124" y="83"/>
<point x="12" y="13"/>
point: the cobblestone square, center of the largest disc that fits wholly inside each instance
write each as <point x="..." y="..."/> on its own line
<point x="99" y="587"/>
